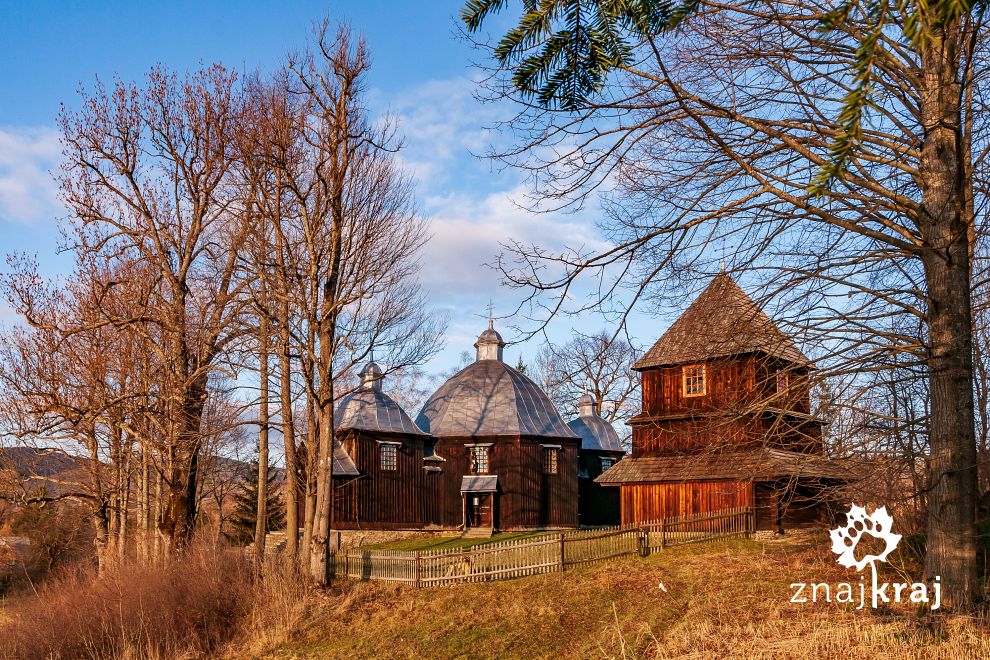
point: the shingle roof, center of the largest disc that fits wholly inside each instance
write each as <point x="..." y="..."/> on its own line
<point x="596" y="434"/>
<point x="756" y="465"/>
<point x="722" y="321"/>
<point x="490" y="398"/>
<point x="370" y="409"/>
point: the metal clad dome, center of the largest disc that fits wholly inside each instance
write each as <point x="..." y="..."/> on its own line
<point x="490" y="344"/>
<point x="490" y="398"/>
<point x="369" y="409"/>
<point x="371" y="373"/>
<point x="596" y="434"/>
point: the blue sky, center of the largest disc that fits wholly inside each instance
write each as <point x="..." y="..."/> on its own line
<point x="421" y="74"/>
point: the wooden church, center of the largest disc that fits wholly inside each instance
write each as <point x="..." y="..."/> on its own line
<point x="600" y="450"/>
<point x="725" y="421"/>
<point x="489" y="451"/>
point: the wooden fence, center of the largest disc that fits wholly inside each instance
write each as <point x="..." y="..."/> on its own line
<point x="698" y="528"/>
<point x="544" y="554"/>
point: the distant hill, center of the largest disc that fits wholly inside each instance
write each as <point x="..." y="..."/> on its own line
<point x="37" y="466"/>
<point x="33" y="462"/>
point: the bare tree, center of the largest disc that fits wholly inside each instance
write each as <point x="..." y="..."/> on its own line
<point x="220" y="229"/>
<point x="716" y="136"/>
<point x="147" y="176"/>
<point x="72" y="387"/>
<point x="600" y="365"/>
<point x="346" y="238"/>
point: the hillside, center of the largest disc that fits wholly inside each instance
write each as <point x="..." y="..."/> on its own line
<point x="58" y="471"/>
<point x="726" y="599"/>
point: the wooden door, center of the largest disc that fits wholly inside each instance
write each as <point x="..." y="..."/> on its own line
<point x="479" y="509"/>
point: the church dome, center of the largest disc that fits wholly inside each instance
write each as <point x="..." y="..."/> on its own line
<point x="368" y="408"/>
<point x="490" y="398"/>
<point x="596" y="434"/>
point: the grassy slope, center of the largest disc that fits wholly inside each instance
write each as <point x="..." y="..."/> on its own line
<point x="723" y="599"/>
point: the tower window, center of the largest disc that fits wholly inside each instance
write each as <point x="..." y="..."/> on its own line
<point x="550" y="460"/>
<point x="479" y="460"/>
<point x="783" y="380"/>
<point x="694" y="380"/>
<point x="390" y="457"/>
<point x="607" y="462"/>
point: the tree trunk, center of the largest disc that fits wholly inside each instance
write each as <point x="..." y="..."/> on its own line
<point x="320" y="547"/>
<point x="144" y="508"/>
<point x="311" y="435"/>
<point x="951" y="543"/>
<point x="159" y="515"/>
<point x="101" y="528"/>
<point x="125" y="500"/>
<point x="323" y="516"/>
<point x="261" y="524"/>
<point x="179" y="519"/>
<point x="289" y="441"/>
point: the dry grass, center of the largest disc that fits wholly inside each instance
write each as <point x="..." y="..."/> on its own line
<point x="724" y="600"/>
<point x="189" y="608"/>
<point x="720" y="600"/>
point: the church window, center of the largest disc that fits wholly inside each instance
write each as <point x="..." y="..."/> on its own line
<point x="694" y="380"/>
<point x="783" y="380"/>
<point x="390" y="457"/>
<point x="607" y="463"/>
<point x="550" y="460"/>
<point x="479" y="460"/>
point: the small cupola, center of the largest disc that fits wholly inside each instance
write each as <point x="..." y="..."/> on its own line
<point x="595" y="431"/>
<point x="490" y="344"/>
<point x="371" y="376"/>
<point x="587" y="406"/>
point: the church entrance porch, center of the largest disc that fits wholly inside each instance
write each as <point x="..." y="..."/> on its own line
<point x="480" y="510"/>
<point x="479" y="493"/>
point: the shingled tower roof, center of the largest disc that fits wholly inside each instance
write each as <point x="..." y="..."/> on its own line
<point x="722" y="321"/>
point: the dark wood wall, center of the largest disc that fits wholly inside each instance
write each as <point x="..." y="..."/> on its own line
<point x="738" y="408"/>
<point x="391" y="499"/>
<point x="599" y="505"/>
<point x="741" y="408"/>
<point x="411" y="497"/>
<point x="784" y="505"/>
<point x="643" y="502"/>
<point x="527" y="498"/>
<point x="731" y="383"/>
<point x="684" y="435"/>
<point x="727" y="383"/>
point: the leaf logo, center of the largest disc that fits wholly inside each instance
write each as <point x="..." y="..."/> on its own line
<point x="845" y="539"/>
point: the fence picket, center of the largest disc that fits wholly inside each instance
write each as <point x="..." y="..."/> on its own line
<point x="522" y="557"/>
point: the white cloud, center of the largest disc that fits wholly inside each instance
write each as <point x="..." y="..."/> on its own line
<point x="442" y="126"/>
<point x="470" y="230"/>
<point x="474" y="208"/>
<point x="471" y="204"/>
<point x="27" y="191"/>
